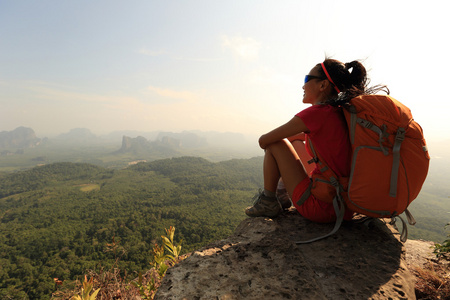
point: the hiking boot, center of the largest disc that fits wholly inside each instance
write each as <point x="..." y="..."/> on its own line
<point x="264" y="206"/>
<point x="283" y="198"/>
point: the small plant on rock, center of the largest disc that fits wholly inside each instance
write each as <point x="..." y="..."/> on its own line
<point x="86" y="291"/>
<point x="443" y="250"/>
<point x="160" y="264"/>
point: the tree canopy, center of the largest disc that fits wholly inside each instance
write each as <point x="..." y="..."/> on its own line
<point x="58" y="220"/>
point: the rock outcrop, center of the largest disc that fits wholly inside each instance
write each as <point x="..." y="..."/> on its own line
<point x="262" y="261"/>
<point x="21" y="137"/>
<point x="139" y="145"/>
<point x="185" y="139"/>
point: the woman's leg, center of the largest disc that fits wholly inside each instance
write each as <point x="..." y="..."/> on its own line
<point x="282" y="194"/>
<point x="281" y="159"/>
<point x="304" y="156"/>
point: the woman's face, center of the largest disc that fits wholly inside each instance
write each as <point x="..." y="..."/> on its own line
<point x="312" y="92"/>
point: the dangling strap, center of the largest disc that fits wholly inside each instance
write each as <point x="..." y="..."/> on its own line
<point x="339" y="208"/>
<point x="410" y="217"/>
<point x="404" y="234"/>
<point x="411" y="221"/>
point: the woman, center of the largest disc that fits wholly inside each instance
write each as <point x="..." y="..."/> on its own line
<point x="328" y="87"/>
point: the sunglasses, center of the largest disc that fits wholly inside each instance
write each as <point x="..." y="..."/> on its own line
<point x="310" y="77"/>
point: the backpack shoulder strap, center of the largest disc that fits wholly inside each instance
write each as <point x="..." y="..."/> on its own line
<point x="338" y="202"/>
<point x="323" y="167"/>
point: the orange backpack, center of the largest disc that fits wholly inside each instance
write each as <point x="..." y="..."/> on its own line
<point x="389" y="162"/>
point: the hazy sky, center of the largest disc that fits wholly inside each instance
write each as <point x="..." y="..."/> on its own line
<point x="210" y="65"/>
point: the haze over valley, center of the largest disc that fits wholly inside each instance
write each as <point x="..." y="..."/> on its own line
<point x="21" y="149"/>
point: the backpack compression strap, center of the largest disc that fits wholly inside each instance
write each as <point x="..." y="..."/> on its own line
<point x="396" y="162"/>
<point x="400" y="136"/>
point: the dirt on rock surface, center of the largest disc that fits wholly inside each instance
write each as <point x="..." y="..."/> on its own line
<point x="262" y="261"/>
<point x="432" y="276"/>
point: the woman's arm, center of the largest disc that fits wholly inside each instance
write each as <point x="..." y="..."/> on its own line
<point x="298" y="137"/>
<point x="291" y="128"/>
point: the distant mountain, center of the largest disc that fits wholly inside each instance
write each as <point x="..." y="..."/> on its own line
<point x="21" y="137"/>
<point x="78" y="135"/>
<point x="166" y="147"/>
<point x="215" y="146"/>
<point x="137" y="144"/>
<point x="191" y="138"/>
<point x="166" y="143"/>
<point x="186" y="139"/>
<point x="117" y="135"/>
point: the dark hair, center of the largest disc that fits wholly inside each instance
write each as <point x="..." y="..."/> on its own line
<point x="351" y="80"/>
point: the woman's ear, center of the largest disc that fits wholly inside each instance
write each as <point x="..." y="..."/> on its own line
<point x="324" y="84"/>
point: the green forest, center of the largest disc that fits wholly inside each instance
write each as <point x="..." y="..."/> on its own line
<point x="59" y="220"/>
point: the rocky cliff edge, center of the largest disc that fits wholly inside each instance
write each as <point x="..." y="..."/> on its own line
<point x="262" y="261"/>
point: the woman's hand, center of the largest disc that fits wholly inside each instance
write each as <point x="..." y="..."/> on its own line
<point x="263" y="141"/>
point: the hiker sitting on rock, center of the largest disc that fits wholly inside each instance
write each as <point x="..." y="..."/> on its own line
<point x="328" y="87"/>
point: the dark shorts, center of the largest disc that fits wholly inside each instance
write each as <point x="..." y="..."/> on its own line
<point x="314" y="209"/>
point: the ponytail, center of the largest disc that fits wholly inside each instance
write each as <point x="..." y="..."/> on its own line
<point x="350" y="79"/>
